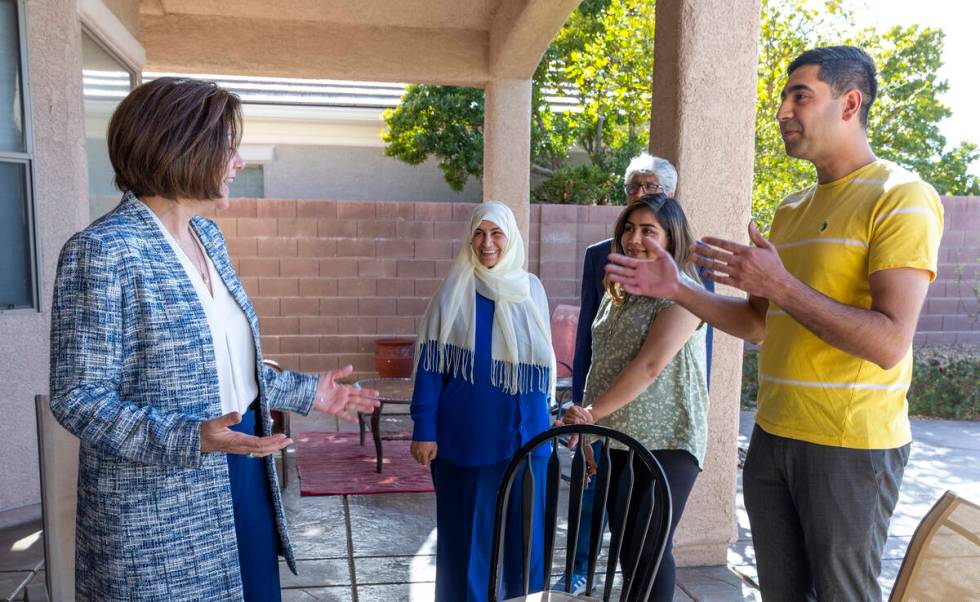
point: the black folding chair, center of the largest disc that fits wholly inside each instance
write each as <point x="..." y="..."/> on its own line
<point x="638" y="584"/>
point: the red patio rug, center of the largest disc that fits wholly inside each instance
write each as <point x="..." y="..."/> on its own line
<point x="335" y="464"/>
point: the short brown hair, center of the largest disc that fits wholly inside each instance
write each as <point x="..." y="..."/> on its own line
<point x="172" y="137"/>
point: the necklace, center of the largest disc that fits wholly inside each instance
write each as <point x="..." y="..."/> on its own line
<point x="199" y="259"/>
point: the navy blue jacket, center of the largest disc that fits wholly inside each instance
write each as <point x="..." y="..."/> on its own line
<point x="593" y="272"/>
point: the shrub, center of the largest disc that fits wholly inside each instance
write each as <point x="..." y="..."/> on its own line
<point x="580" y="185"/>
<point x="945" y="382"/>
<point x="750" y="379"/>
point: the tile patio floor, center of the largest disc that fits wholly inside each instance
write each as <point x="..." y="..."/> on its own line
<point x="369" y="548"/>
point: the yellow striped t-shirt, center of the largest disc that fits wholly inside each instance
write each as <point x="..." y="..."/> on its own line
<point x="833" y="237"/>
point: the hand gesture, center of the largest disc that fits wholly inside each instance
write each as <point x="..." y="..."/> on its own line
<point x="343" y="401"/>
<point x="424" y="452"/>
<point x="657" y="277"/>
<point x="757" y="270"/>
<point x="577" y="415"/>
<point x="217" y="436"/>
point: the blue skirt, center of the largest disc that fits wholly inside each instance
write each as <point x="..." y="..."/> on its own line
<point x="466" y="498"/>
<point x="255" y="522"/>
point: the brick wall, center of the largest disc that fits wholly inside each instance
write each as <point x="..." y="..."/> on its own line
<point x="947" y="317"/>
<point x="328" y="278"/>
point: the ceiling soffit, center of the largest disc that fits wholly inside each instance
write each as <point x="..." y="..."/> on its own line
<point x="461" y="42"/>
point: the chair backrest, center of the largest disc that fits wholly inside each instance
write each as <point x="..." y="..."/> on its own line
<point x="564" y="327"/>
<point x="58" y="459"/>
<point x="943" y="558"/>
<point x="654" y="525"/>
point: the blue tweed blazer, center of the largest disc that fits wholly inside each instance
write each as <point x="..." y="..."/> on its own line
<point x="133" y="375"/>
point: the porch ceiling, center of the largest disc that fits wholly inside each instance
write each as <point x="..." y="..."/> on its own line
<point x="465" y="42"/>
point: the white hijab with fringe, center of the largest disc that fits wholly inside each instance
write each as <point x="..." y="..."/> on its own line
<point x="520" y="348"/>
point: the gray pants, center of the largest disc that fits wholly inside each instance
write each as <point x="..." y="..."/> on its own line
<point x="819" y="516"/>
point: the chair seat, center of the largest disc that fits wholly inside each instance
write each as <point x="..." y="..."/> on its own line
<point x="552" y="597"/>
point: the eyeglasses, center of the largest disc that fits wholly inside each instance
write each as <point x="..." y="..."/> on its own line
<point x="647" y="187"/>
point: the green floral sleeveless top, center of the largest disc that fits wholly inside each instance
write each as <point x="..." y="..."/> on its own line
<point x="673" y="411"/>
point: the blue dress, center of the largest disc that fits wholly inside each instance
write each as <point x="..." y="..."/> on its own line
<point x="478" y="428"/>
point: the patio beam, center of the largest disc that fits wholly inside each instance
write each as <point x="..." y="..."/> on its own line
<point x="521" y="31"/>
<point x="703" y="120"/>
<point x="313" y="49"/>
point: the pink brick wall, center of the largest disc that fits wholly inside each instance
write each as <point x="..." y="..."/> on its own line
<point x="328" y="278"/>
<point x="951" y="303"/>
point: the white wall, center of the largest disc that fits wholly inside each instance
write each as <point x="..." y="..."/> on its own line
<point x="357" y="173"/>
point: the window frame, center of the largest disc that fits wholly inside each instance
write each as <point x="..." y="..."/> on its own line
<point x="27" y="158"/>
<point x="135" y="73"/>
<point x="125" y="64"/>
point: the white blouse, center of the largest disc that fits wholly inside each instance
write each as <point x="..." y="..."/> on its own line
<point x="234" y="347"/>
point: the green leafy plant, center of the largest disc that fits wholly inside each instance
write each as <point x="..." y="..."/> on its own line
<point x="602" y="60"/>
<point x="944" y="383"/>
<point x="903" y="125"/>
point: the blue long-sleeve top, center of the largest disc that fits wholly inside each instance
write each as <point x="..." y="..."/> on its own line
<point x="476" y="423"/>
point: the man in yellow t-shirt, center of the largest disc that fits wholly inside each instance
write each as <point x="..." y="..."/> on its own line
<point x="834" y="296"/>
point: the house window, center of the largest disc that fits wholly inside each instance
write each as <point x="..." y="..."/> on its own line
<point x="18" y="256"/>
<point x="106" y="80"/>
<point x="249" y="183"/>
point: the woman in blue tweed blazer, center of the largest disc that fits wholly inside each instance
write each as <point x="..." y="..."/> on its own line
<point x="177" y="496"/>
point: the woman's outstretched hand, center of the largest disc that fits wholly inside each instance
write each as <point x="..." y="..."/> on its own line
<point x="343" y="401"/>
<point x="217" y="436"/>
<point x="424" y="452"/>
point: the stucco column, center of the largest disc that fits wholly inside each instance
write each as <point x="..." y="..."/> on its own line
<point x="507" y="147"/>
<point x="703" y="119"/>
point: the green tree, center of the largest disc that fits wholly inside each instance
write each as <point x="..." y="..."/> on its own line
<point x="903" y="125"/>
<point x="602" y="60"/>
<point x="601" y="63"/>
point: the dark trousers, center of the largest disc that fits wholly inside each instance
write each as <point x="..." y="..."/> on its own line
<point x="255" y="522"/>
<point x="819" y="516"/>
<point x="681" y="469"/>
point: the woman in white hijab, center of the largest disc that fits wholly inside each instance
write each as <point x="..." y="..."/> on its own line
<point x="484" y="373"/>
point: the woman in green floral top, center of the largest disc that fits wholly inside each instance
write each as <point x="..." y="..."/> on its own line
<point x="648" y="377"/>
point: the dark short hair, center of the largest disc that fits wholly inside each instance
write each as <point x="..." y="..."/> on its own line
<point x="172" y="137"/>
<point x="843" y="68"/>
<point x="672" y="219"/>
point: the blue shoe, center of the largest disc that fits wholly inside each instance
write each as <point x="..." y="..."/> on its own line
<point x="578" y="584"/>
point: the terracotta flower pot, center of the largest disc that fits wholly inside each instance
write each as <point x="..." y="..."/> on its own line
<point x="394" y="357"/>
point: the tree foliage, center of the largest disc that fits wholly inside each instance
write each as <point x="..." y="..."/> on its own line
<point x="903" y="125"/>
<point x="602" y="61"/>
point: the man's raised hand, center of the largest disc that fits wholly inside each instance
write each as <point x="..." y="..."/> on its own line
<point x="657" y="277"/>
